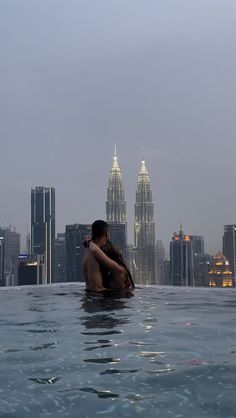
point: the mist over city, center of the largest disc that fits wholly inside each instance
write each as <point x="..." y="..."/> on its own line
<point x="156" y="78"/>
<point x="118" y="208"/>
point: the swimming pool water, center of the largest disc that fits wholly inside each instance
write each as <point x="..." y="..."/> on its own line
<point x="164" y="352"/>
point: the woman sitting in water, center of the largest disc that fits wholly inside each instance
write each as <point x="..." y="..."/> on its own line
<point x="111" y="279"/>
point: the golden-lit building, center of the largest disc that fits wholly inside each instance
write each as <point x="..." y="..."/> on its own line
<point x="220" y="274"/>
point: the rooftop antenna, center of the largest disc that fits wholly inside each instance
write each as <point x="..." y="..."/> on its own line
<point x="115" y="153"/>
<point x="143" y="159"/>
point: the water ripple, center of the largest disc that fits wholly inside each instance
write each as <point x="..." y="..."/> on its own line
<point x="45" y="380"/>
<point x="102" y="332"/>
<point x="44" y="346"/>
<point x="41" y="331"/>
<point x="97" y="346"/>
<point x="104" y="394"/>
<point x="110" y="360"/>
<point x="141" y="343"/>
<point x="119" y="371"/>
<point x="151" y="354"/>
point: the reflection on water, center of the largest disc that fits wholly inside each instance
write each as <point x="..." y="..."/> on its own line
<point x="106" y="302"/>
<point x="103" y="321"/>
<point x="162" y="352"/>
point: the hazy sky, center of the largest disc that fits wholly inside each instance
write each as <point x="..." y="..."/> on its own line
<point x="77" y="76"/>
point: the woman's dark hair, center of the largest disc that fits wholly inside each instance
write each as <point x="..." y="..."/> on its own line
<point x="115" y="254"/>
<point x="99" y="228"/>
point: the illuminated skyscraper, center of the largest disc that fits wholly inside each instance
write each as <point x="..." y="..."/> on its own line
<point x="43" y="226"/>
<point x="181" y="260"/>
<point x="220" y="274"/>
<point x="116" y="207"/>
<point x="144" y="230"/>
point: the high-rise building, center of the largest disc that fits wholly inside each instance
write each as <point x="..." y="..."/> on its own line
<point x="75" y="235"/>
<point x="14" y="253"/>
<point x="165" y="272"/>
<point x="220" y="274"/>
<point x="198" y="244"/>
<point x="116" y="207"/>
<point x="159" y="260"/>
<point x="43" y="226"/>
<point x="144" y="230"/>
<point x="229" y="248"/>
<point x="181" y="260"/>
<point x="11" y="240"/>
<point x="27" y="244"/>
<point x="59" y="258"/>
<point x="202" y="264"/>
<point x="201" y="260"/>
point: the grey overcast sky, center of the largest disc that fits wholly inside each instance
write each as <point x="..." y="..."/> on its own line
<point x="157" y="77"/>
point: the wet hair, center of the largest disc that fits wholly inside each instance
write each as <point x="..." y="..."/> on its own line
<point x="115" y="254"/>
<point x="99" y="228"/>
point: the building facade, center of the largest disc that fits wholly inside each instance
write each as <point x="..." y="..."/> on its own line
<point x="201" y="260"/>
<point x="74" y="250"/>
<point x="202" y="264"/>
<point x="181" y="260"/>
<point x="59" y="258"/>
<point x="43" y="226"/>
<point x="229" y="248"/>
<point x="198" y="244"/>
<point x="220" y="274"/>
<point x="31" y="269"/>
<point x="159" y="261"/>
<point x="116" y="208"/>
<point x="144" y="230"/>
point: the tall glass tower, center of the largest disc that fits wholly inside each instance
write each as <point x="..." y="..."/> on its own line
<point x="116" y="207"/>
<point x="181" y="260"/>
<point x="144" y="230"/>
<point x="43" y="226"/>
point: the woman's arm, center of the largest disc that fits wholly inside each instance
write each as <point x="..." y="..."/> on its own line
<point x="103" y="259"/>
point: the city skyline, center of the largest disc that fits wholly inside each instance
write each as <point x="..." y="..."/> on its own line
<point x="129" y="221"/>
<point x="141" y="76"/>
<point x="188" y="263"/>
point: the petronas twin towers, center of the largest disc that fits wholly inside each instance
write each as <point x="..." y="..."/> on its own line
<point x="142" y="259"/>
